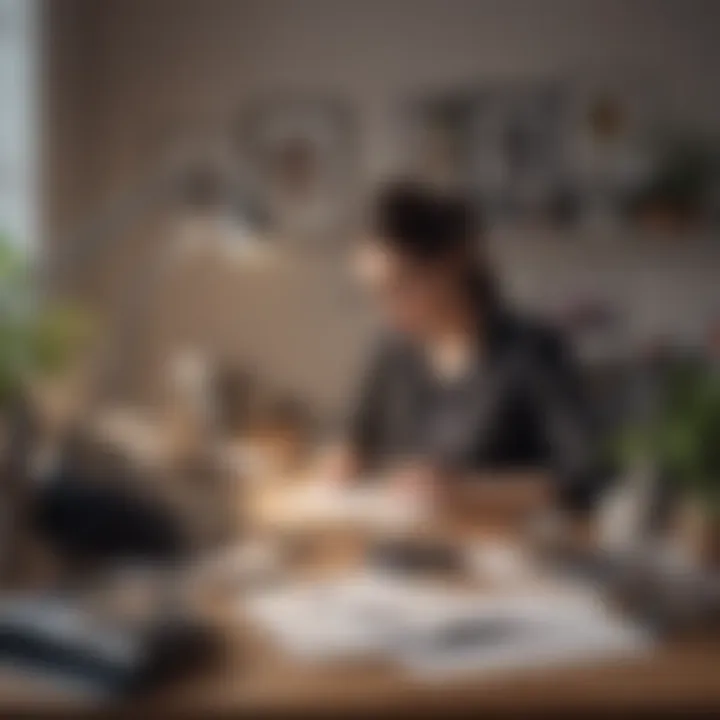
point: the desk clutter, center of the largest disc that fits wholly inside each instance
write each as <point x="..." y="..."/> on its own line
<point x="416" y="592"/>
<point x="367" y="504"/>
<point x="436" y="608"/>
<point x="432" y="607"/>
<point x="72" y="649"/>
<point x="432" y="632"/>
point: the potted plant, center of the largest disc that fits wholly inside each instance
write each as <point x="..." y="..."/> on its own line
<point x="681" y="440"/>
<point x="36" y="338"/>
<point x="675" y="197"/>
<point x="37" y="341"/>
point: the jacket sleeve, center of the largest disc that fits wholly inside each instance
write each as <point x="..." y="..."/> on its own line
<point x="571" y="426"/>
<point x="367" y="417"/>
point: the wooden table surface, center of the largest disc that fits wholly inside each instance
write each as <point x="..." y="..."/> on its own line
<point x="249" y="674"/>
<point x="252" y="677"/>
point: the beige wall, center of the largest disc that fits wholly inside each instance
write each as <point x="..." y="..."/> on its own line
<point x="136" y="66"/>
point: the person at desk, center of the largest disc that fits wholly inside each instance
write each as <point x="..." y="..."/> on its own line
<point x="463" y="391"/>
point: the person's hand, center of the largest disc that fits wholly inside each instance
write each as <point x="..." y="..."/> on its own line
<point x="505" y="496"/>
<point x="418" y="480"/>
<point x="339" y="465"/>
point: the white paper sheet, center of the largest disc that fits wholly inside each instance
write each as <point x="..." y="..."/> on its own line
<point x="436" y="632"/>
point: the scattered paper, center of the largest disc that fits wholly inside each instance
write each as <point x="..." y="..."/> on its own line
<point x="433" y="632"/>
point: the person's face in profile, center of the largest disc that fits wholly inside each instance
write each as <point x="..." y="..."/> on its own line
<point x="411" y="295"/>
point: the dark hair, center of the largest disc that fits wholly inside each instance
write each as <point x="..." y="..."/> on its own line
<point x="429" y="226"/>
<point x="423" y="224"/>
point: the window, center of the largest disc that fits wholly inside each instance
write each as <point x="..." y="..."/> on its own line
<point x="19" y="126"/>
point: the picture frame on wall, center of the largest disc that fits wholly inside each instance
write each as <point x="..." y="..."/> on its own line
<point x="550" y="151"/>
<point x="503" y="142"/>
<point x="614" y="124"/>
<point x="440" y="151"/>
<point x="531" y="143"/>
<point x="297" y="156"/>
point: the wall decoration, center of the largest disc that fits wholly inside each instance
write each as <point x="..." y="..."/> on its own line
<point x="503" y="142"/>
<point x="532" y="149"/>
<point x="297" y="155"/>
<point x="679" y="195"/>
<point x="548" y="151"/>
<point x="613" y="126"/>
<point x="442" y="146"/>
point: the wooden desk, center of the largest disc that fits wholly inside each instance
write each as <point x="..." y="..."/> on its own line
<point x="250" y="675"/>
<point x="254" y="676"/>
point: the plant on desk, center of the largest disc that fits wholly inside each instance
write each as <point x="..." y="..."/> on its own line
<point x="37" y="342"/>
<point x="35" y="339"/>
<point x="681" y="440"/>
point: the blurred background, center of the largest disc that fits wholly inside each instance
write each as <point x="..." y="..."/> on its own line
<point x="181" y="182"/>
<point x="586" y="131"/>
